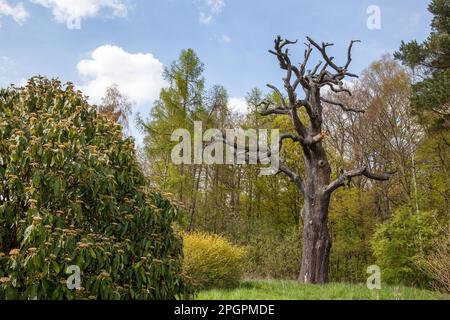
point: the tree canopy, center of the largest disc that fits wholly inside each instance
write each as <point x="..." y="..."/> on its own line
<point x="430" y="62"/>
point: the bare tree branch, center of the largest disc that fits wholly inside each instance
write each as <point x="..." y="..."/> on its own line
<point x="344" y="108"/>
<point x="322" y="50"/>
<point x="349" y="53"/>
<point x="337" y="90"/>
<point x="291" y="136"/>
<point x="297" y="123"/>
<point x="283" y="58"/>
<point x="283" y="136"/>
<point x="280" y="95"/>
<point x="314" y="71"/>
<point x="282" y="166"/>
<point x="266" y="111"/>
<point x="292" y="176"/>
<point x="363" y="171"/>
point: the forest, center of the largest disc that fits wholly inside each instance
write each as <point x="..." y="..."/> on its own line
<point x="404" y="129"/>
<point x="363" y="182"/>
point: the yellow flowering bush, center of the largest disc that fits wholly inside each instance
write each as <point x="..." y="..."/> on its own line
<point x="212" y="261"/>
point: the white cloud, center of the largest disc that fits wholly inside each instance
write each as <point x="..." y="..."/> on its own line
<point x="209" y="9"/>
<point x="215" y="6"/>
<point x="138" y="75"/>
<point x="17" y="12"/>
<point x="225" y="39"/>
<point x="205" y="19"/>
<point x="238" y="104"/>
<point x="72" y="11"/>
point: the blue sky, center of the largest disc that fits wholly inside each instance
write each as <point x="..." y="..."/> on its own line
<point x="129" y="41"/>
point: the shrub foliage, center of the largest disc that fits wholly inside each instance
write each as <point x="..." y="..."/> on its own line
<point x="72" y="193"/>
<point x="437" y="265"/>
<point x="212" y="261"/>
<point x="402" y="241"/>
<point x="272" y="255"/>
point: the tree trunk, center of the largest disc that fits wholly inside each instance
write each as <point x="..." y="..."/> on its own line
<point x="316" y="243"/>
<point x="316" y="236"/>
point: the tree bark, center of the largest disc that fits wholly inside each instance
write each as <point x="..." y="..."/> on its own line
<point x="316" y="236"/>
<point x="315" y="253"/>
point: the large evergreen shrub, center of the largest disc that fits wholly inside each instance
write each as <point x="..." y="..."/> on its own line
<point x="72" y="193"/>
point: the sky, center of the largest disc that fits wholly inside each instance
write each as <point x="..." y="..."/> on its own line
<point x="97" y="43"/>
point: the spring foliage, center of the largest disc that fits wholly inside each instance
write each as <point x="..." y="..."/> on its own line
<point x="270" y="254"/>
<point x="212" y="261"/>
<point x="437" y="266"/>
<point x="72" y="193"/>
<point x="401" y="242"/>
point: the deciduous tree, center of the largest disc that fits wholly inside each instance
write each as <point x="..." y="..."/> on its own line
<point x="315" y="184"/>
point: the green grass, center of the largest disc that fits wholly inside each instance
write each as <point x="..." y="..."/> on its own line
<point x="290" y="290"/>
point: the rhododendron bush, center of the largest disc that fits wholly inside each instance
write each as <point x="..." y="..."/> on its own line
<point x="72" y="196"/>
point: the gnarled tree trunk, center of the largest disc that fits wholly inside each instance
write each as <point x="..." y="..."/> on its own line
<point x="316" y="250"/>
<point x="316" y="237"/>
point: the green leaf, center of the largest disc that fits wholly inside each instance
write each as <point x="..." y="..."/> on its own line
<point x="56" y="267"/>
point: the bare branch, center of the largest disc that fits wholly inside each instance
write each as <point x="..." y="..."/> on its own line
<point x="282" y="166"/>
<point x="349" y="54"/>
<point x="279" y="110"/>
<point x="363" y="171"/>
<point x="246" y="148"/>
<point x="341" y="71"/>
<point x="292" y="176"/>
<point x="307" y="54"/>
<point x="280" y="95"/>
<point x="297" y="123"/>
<point x="285" y="42"/>
<point x="318" y="76"/>
<point x="314" y="71"/>
<point x="322" y="50"/>
<point x="344" y="108"/>
<point x="291" y="136"/>
<point x="337" y="90"/>
<point x="274" y="111"/>
<point x="266" y="111"/>
<point x="283" y="57"/>
<point x="351" y="75"/>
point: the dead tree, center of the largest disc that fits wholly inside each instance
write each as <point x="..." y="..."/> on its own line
<point x="315" y="184"/>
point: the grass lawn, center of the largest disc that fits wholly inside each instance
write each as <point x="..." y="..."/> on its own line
<point x="291" y="290"/>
